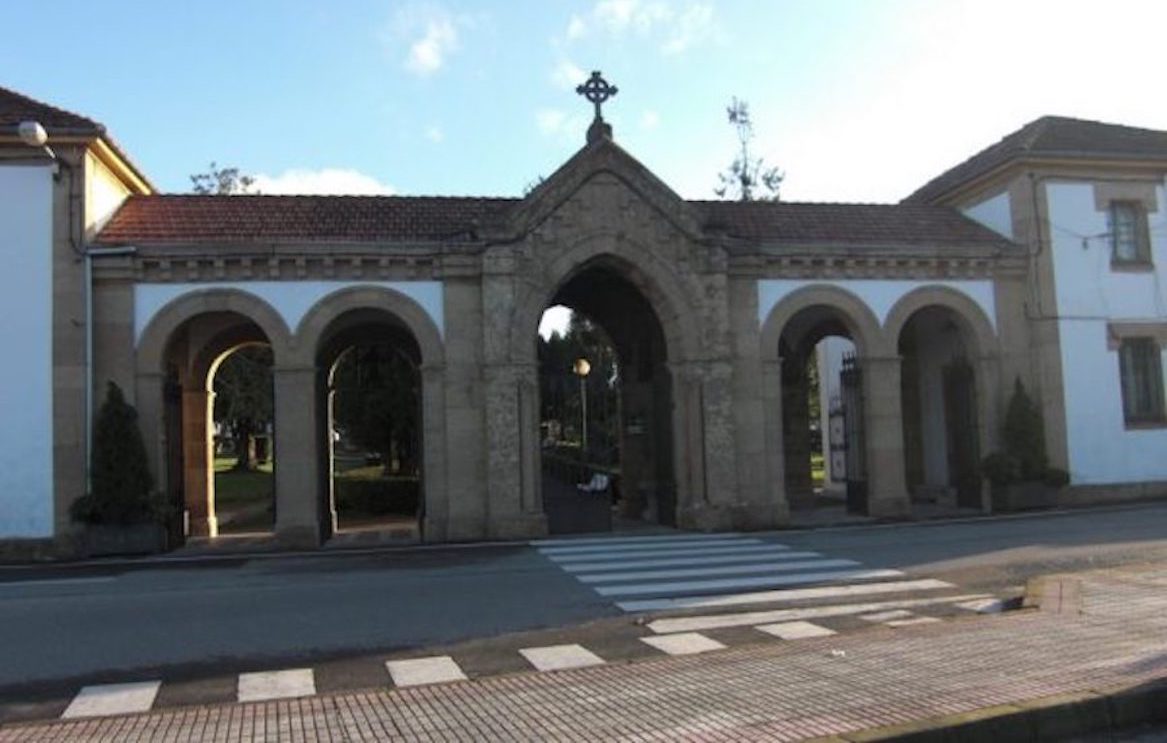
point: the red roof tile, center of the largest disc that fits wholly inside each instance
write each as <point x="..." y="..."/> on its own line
<point x="231" y="220"/>
<point x="1052" y="137"/>
<point x="852" y="224"/>
<point x="180" y="219"/>
<point x="15" y="108"/>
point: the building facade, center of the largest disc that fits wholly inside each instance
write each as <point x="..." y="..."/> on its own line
<point x="1039" y="259"/>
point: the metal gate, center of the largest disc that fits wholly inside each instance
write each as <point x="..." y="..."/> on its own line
<point x="960" y="414"/>
<point x="851" y="381"/>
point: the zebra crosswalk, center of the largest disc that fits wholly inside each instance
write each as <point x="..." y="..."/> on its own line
<point x="704" y="574"/>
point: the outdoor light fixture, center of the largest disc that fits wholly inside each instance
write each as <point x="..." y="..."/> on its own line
<point x="581" y="369"/>
<point x="34" y="135"/>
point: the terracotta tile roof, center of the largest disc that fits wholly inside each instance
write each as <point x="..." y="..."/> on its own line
<point x="175" y="219"/>
<point x="852" y="224"/>
<point x="1051" y="137"/>
<point x="189" y="219"/>
<point x="15" y="108"/>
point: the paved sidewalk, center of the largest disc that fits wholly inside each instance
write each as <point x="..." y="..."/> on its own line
<point x="1099" y="632"/>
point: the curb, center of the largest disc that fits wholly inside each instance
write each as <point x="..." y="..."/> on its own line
<point x="1047" y="718"/>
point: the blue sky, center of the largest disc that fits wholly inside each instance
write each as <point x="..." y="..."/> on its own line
<point x="854" y="100"/>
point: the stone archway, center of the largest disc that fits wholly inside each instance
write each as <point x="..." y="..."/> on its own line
<point x="948" y="389"/>
<point x="371" y="316"/>
<point x="175" y="361"/>
<point x="794" y="327"/>
<point x="661" y="309"/>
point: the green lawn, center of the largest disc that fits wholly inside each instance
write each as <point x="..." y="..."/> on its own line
<point x="243" y="500"/>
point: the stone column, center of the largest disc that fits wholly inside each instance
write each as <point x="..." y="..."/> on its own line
<point x="433" y="443"/>
<point x="199" y="461"/>
<point x="775" y="452"/>
<point x="297" y="456"/>
<point x="886" y="486"/>
<point x="515" y="505"/>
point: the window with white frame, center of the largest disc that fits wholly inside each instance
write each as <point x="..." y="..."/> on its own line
<point x="1128" y="233"/>
<point x="1141" y="369"/>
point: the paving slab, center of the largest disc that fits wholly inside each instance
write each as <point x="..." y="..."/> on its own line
<point x="113" y="699"/>
<point x="684" y="643"/>
<point x="267" y="685"/>
<point x="420" y="671"/>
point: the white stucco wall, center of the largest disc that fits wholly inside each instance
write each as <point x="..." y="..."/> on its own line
<point x="878" y="294"/>
<point x="104" y="193"/>
<point x="1090" y="295"/>
<point x="26" y="393"/>
<point x="994" y="213"/>
<point x="291" y="299"/>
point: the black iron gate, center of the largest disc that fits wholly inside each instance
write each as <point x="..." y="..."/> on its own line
<point x="963" y="434"/>
<point x="851" y="379"/>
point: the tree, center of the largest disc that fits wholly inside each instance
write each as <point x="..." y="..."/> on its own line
<point x="747" y="175"/>
<point x="121" y="482"/>
<point x="377" y="403"/>
<point x="221" y="182"/>
<point x="243" y="400"/>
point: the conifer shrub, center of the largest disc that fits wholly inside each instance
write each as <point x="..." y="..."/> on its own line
<point x="1022" y="457"/>
<point x="121" y="485"/>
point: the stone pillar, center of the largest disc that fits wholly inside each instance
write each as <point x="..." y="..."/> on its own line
<point x="433" y="446"/>
<point x="199" y="461"/>
<point x="886" y="486"/>
<point x="775" y="441"/>
<point x="515" y="505"/>
<point x="298" y="479"/>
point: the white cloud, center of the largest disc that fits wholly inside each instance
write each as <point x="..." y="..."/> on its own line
<point x="567" y="75"/>
<point x="427" y="54"/>
<point x="649" y="120"/>
<point x="435" y="134"/>
<point x="676" y="29"/>
<point x="428" y="33"/>
<point x="692" y="26"/>
<point x="577" y="28"/>
<point x="327" y="181"/>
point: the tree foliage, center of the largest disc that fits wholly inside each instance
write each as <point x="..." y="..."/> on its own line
<point x="1023" y="434"/>
<point x="747" y="178"/>
<point x="243" y="399"/>
<point x="560" y="387"/>
<point x="378" y="402"/>
<point x="121" y="483"/>
<point x="221" y="182"/>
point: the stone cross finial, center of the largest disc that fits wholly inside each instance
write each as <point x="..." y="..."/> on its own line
<point x="597" y="90"/>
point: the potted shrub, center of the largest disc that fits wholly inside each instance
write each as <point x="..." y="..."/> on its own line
<point x="1019" y="475"/>
<point x="122" y="514"/>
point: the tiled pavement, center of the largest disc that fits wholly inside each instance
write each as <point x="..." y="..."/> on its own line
<point x="787" y="690"/>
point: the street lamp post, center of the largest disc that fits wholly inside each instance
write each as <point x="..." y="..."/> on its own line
<point x="581" y="369"/>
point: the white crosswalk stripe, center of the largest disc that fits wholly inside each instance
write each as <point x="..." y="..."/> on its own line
<point x="106" y="700"/>
<point x="703" y="573"/>
<point x="267" y="685"/>
<point x="560" y="657"/>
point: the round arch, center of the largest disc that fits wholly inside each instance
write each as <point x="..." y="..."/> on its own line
<point x="649" y="275"/>
<point x="151" y="347"/>
<point x="860" y="322"/>
<point x="968" y="314"/>
<point x="312" y="329"/>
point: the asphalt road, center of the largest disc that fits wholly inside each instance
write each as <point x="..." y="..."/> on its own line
<point x="94" y="623"/>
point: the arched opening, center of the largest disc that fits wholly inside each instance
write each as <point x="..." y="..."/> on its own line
<point x="621" y="477"/>
<point x="941" y="418"/>
<point x="822" y="413"/>
<point x="370" y="395"/>
<point x="218" y="422"/>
